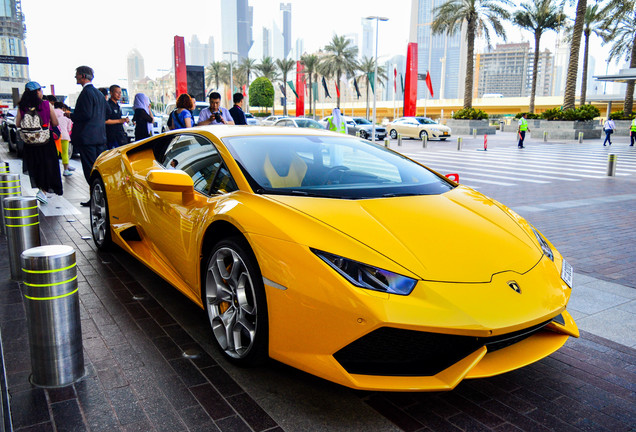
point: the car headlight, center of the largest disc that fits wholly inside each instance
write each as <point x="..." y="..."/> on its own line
<point x="544" y="245"/>
<point x="368" y="277"/>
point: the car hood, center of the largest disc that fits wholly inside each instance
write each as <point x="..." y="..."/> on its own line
<point x="458" y="236"/>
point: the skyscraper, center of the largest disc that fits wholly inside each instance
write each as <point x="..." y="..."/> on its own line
<point x="135" y="68"/>
<point x="236" y="27"/>
<point x="368" y="42"/>
<point x="442" y="55"/>
<point x="200" y="54"/>
<point x="267" y="43"/>
<point x="286" y="9"/>
<point x="12" y="33"/>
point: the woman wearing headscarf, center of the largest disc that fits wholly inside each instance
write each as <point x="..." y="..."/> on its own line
<point x="39" y="156"/>
<point x="336" y="123"/>
<point x="143" y="117"/>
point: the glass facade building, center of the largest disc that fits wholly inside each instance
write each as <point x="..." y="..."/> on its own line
<point x="12" y="35"/>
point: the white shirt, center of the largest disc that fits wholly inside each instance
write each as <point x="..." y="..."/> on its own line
<point x="206" y="114"/>
<point x="609" y="124"/>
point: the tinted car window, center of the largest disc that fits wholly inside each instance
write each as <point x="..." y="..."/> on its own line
<point x="196" y="156"/>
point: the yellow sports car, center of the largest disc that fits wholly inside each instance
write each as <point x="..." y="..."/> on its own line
<point x="335" y="255"/>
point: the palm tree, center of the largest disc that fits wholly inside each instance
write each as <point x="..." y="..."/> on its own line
<point x="267" y="68"/>
<point x="247" y="65"/>
<point x="285" y="66"/>
<point x="340" y="57"/>
<point x="366" y="69"/>
<point x="593" y="24"/>
<point x="311" y="63"/>
<point x="214" y="73"/>
<point x="621" y="33"/>
<point x="480" y="16"/>
<point x="539" y="16"/>
<point x="573" y="63"/>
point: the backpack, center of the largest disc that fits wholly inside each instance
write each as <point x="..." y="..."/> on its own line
<point x="31" y="130"/>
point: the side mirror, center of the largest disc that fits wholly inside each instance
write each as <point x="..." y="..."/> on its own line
<point x="172" y="181"/>
<point x="454" y="177"/>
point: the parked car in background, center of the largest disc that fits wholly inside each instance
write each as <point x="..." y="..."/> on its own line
<point x="418" y="127"/>
<point x="299" y="122"/>
<point x="362" y="125"/>
<point x="9" y="131"/>
<point x="251" y="120"/>
<point x="195" y="112"/>
<point x="272" y="119"/>
<point x="158" y="125"/>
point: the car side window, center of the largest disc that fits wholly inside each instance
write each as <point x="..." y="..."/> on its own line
<point x="223" y="182"/>
<point x="196" y="156"/>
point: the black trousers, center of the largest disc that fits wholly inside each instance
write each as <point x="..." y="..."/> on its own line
<point x="88" y="155"/>
<point x="522" y="136"/>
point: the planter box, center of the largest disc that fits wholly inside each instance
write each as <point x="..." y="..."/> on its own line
<point x="465" y="127"/>
<point x="568" y="130"/>
<point x="622" y="128"/>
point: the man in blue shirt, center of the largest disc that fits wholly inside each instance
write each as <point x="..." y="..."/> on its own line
<point x="237" y="110"/>
<point x="215" y="114"/>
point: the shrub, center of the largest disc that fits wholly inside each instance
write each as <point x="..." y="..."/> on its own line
<point x="470" y="114"/>
<point x="620" y="115"/>
<point x="587" y="112"/>
<point x="582" y="113"/>
<point x="530" y="116"/>
<point x="261" y="93"/>
<point x="551" y="114"/>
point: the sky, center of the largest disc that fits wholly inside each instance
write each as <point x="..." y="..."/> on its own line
<point x="100" y="34"/>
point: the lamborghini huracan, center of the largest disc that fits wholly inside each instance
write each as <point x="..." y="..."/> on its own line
<point x="335" y="255"/>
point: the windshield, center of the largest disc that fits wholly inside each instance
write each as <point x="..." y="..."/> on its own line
<point x="309" y="123"/>
<point x="197" y="110"/>
<point x="423" y="120"/>
<point x="127" y="111"/>
<point x="332" y="167"/>
<point x="361" y="121"/>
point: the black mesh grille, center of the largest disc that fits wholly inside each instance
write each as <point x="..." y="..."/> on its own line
<point x="389" y="351"/>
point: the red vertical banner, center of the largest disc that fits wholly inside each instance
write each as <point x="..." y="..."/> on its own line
<point x="180" y="72"/>
<point x="53" y="89"/>
<point x="300" y="89"/>
<point x="410" y="84"/>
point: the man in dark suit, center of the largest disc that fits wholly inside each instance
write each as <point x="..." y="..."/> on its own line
<point x="89" y="122"/>
<point x="237" y="110"/>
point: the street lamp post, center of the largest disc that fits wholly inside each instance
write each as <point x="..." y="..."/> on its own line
<point x="375" y="73"/>
<point x="231" y="78"/>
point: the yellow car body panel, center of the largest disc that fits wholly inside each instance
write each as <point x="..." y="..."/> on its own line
<point x="464" y="253"/>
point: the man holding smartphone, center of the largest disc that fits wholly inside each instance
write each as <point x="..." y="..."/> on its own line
<point x="215" y="114"/>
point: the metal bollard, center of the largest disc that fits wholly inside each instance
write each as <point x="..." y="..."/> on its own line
<point x="9" y="186"/>
<point x="545" y="136"/>
<point x="22" y="224"/>
<point x="460" y="141"/>
<point x="358" y="133"/>
<point x="474" y="133"/>
<point x="580" y="137"/>
<point x="386" y="142"/>
<point x="611" y="165"/>
<point x="4" y="167"/>
<point x="399" y="140"/>
<point x="51" y="300"/>
<point x="424" y="141"/>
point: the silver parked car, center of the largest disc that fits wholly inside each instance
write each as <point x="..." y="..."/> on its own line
<point x="299" y="122"/>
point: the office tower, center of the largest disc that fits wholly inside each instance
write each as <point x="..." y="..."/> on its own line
<point x="442" y="55"/>
<point x="278" y="42"/>
<point x="236" y="27"/>
<point x="267" y="43"/>
<point x="200" y="54"/>
<point x="560" y="64"/>
<point x="300" y="49"/>
<point x="368" y="41"/>
<point x="12" y="34"/>
<point x="286" y="9"/>
<point x="135" y="69"/>
<point x="395" y="63"/>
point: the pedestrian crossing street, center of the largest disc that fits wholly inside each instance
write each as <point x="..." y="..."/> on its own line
<point x="535" y="164"/>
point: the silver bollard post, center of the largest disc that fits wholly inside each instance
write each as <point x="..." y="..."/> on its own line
<point x="611" y="165"/>
<point x="21" y="220"/>
<point x="399" y="140"/>
<point x="460" y="141"/>
<point x="4" y="167"/>
<point x="580" y="137"/>
<point x="358" y="133"/>
<point x="424" y="141"/>
<point x="51" y="301"/>
<point x="9" y="186"/>
<point x="545" y="136"/>
<point x="386" y="142"/>
<point x="474" y="133"/>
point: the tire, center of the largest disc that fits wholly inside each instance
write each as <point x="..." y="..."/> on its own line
<point x="363" y="134"/>
<point x="423" y="134"/>
<point x="100" y="216"/>
<point x="393" y="134"/>
<point x="234" y="299"/>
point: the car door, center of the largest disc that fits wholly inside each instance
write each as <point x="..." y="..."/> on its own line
<point x="173" y="226"/>
<point x="411" y="128"/>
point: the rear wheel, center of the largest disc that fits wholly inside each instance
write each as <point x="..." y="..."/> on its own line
<point x="234" y="299"/>
<point x="99" y="216"/>
<point x="393" y="134"/>
<point x="363" y="134"/>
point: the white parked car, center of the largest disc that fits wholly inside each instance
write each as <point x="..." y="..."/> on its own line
<point x="251" y="120"/>
<point x="195" y="112"/>
<point x="158" y="125"/>
<point x="269" y="121"/>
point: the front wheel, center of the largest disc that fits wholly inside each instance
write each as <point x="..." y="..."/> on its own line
<point x="234" y="299"/>
<point x="99" y="216"/>
<point x="393" y="134"/>
<point x="423" y="134"/>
